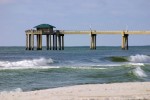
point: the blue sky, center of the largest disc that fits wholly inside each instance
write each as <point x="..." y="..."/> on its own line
<point x="16" y="16"/>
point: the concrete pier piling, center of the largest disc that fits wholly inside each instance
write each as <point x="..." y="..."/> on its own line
<point x="30" y="41"/>
<point x="39" y="42"/>
<point x="125" y="41"/>
<point x="47" y="41"/>
<point x="93" y="42"/>
<point x="55" y="42"/>
<point x="61" y="41"/>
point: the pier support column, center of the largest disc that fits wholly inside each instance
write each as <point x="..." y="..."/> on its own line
<point x="125" y="41"/>
<point x="50" y="41"/>
<point x="47" y="41"/>
<point x="59" y="42"/>
<point x="62" y="41"/>
<point x="54" y="41"/>
<point x="39" y="41"/>
<point x="93" y="42"/>
<point x="27" y="46"/>
<point x="32" y="40"/>
<point x="29" y="41"/>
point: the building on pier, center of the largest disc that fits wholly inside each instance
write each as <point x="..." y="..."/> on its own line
<point x="54" y="40"/>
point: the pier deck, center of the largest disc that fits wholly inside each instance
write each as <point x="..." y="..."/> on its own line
<point x="102" y="32"/>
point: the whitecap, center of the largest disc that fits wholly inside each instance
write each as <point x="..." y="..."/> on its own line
<point x="139" y="72"/>
<point x="26" y="63"/>
<point x="139" y="59"/>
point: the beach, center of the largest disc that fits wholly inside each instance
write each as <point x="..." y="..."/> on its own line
<point x="114" y="91"/>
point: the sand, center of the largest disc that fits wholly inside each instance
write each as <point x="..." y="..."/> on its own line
<point x="115" y="91"/>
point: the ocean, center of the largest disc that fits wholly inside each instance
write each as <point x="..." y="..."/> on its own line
<point x="22" y="70"/>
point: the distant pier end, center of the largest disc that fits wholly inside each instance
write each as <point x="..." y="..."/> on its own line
<point x="55" y="38"/>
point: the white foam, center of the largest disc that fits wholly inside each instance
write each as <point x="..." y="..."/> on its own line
<point x="25" y="63"/>
<point x="139" y="72"/>
<point x="17" y="90"/>
<point x="137" y="64"/>
<point x="86" y="67"/>
<point x="33" y="67"/>
<point x="139" y="59"/>
<point x="12" y="91"/>
<point x="109" y="65"/>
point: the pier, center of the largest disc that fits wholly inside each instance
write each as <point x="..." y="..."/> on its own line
<point x="55" y="38"/>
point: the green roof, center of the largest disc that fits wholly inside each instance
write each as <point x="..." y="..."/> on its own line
<point x="44" y="26"/>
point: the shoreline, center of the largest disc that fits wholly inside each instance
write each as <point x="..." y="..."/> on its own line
<point x="115" y="91"/>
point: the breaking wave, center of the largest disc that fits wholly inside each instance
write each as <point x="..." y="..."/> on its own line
<point x="118" y="59"/>
<point x="139" y="72"/>
<point x="27" y="63"/>
<point x="133" y="59"/>
<point x="137" y="62"/>
<point x="139" y="59"/>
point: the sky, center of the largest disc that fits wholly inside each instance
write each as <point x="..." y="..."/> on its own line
<point x="16" y="16"/>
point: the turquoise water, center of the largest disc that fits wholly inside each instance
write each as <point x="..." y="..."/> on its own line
<point x="22" y="70"/>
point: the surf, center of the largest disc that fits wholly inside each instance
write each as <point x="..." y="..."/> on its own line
<point x="139" y="59"/>
<point x="26" y="63"/>
<point x="138" y="72"/>
<point x="16" y="90"/>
